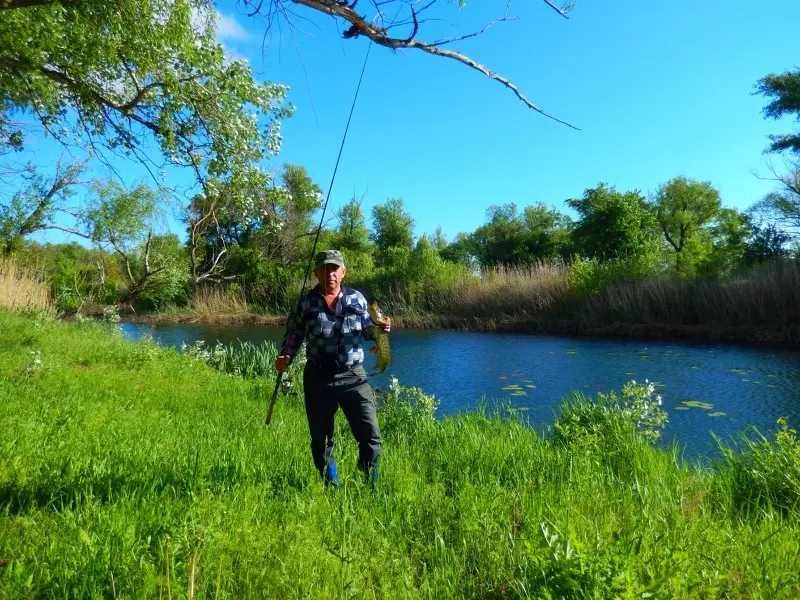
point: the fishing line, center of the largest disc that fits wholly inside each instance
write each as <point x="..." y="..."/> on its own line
<point x="321" y="219"/>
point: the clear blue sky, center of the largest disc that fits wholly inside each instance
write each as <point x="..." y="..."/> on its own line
<point x="658" y="89"/>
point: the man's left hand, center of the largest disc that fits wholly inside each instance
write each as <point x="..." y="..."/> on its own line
<point x="387" y="326"/>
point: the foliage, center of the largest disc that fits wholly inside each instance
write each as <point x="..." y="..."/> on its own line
<point x="682" y="207"/>
<point x="762" y="473"/>
<point x="147" y="71"/>
<point x="595" y="426"/>
<point x="167" y="287"/>
<point x="393" y="233"/>
<point x="405" y="412"/>
<point x="34" y="206"/>
<point x="512" y="238"/>
<point x="730" y="233"/>
<point x="767" y="244"/>
<point x="614" y="225"/>
<point x="784" y="92"/>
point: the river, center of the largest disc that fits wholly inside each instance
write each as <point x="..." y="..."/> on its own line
<point x="705" y="387"/>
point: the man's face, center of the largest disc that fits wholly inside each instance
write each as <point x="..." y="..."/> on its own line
<point x="330" y="277"/>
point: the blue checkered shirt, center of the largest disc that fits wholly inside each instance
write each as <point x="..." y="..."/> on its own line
<point x="329" y="334"/>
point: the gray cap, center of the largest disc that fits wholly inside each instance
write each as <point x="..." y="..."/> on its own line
<point x="329" y="257"/>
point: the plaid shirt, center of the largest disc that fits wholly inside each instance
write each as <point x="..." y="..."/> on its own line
<point x="336" y="334"/>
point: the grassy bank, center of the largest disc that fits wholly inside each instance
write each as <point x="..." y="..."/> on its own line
<point x="131" y="471"/>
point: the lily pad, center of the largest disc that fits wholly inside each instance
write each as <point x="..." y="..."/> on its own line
<point x="697" y="404"/>
<point x="502" y="377"/>
<point x="519" y="393"/>
<point x="530" y="386"/>
<point x="680" y="408"/>
<point x="716" y="414"/>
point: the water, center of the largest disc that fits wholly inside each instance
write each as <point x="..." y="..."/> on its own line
<point x="743" y="385"/>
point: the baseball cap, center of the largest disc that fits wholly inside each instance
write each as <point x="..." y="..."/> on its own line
<point x="329" y="257"/>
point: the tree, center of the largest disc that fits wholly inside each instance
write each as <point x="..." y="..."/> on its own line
<point x="784" y="90"/>
<point x="145" y="73"/>
<point x="682" y="207"/>
<point x="393" y="232"/>
<point x="730" y="233"/>
<point x="614" y="225"/>
<point x="513" y="238"/>
<point x="294" y="203"/>
<point x="768" y="243"/>
<point x="36" y="205"/>
<point x="122" y="221"/>
<point x="781" y="207"/>
<point x="461" y="252"/>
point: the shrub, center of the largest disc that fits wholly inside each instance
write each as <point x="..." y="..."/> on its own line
<point x="762" y="473"/>
<point x="596" y="425"/>
<point x="405" y="411"/>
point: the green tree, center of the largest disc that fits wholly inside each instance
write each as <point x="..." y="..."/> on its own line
<point x="294" y="202"/>
<point x="460" y="251"/>
<point x="122" y="221"/>
<point x="35" y="206"/>
<point x="730" y="233"/>
<point x="784" y="92"/>
<point x="682" y="207"/>
<point x="145" y="73"/>
<point x="513" y="238"/>
<point x="614" y="225"/>
<point x="352" y="237"/>
<point x="392" y="232"/>
<point x="767" y="244"/>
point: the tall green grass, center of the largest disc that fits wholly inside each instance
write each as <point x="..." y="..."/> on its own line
<point x="132" y="471"/>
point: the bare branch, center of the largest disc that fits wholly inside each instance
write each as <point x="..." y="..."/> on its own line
<point x="359" y="26"/>
<point x="469" y="35"/>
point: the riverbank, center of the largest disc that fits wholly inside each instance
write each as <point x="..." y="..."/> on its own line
<point x="781" y="335"/>
<point x="759" y="306"/>
<point x="129" y="470"/>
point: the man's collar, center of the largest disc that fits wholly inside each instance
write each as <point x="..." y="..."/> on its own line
<point x="316" y="290"/>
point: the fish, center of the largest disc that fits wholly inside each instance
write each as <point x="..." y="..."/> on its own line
<point x="381" y="348"/>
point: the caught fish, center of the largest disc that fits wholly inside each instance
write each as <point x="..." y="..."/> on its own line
<point x="381" y="348"/>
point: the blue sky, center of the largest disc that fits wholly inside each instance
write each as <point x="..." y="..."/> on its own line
<point x="658" y="89"/>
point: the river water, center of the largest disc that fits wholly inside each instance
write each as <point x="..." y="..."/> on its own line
<point x="705" y="387"/>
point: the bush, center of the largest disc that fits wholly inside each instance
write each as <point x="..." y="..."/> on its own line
<point x="405" y="411"/>
<point x="597" y="425"/>
<point x="763" y="473"/>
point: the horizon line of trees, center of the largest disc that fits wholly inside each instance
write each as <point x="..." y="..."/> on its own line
<point x="260" y="249"/>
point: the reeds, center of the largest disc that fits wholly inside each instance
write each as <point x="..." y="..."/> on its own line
<point x="21" y="289"/>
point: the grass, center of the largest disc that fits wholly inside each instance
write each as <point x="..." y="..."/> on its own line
<point x="21" y="290"/>
<point x="131" y="471"/>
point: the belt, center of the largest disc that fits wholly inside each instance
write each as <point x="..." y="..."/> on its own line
<point x="329" y="367"/>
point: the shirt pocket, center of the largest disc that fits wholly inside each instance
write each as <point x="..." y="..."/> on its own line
<point x="352" y="319"/>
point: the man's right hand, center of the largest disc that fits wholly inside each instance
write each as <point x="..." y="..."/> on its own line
<point x="282" y="362"/>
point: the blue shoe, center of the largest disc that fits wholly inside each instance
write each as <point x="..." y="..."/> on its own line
<point x="331" y="477"/>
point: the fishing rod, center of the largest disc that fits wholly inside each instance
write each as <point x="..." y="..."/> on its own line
<point x="296" y="311"/>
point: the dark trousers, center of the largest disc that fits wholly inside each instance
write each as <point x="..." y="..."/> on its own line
<point x="325" y="392"/>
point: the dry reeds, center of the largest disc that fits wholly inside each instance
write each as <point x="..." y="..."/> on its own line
<point x="211" y="302"/>
<point x="524" y="290"/>
<point x="21" y="289"/>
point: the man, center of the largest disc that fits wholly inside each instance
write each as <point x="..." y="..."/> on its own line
<point x="334" y="323"/>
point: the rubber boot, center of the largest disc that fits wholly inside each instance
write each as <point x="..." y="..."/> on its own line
<point x="371" y="476"/>
<point x="331" y="477"/>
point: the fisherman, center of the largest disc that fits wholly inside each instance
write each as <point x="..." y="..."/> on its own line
<point x="335" y="323"/>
